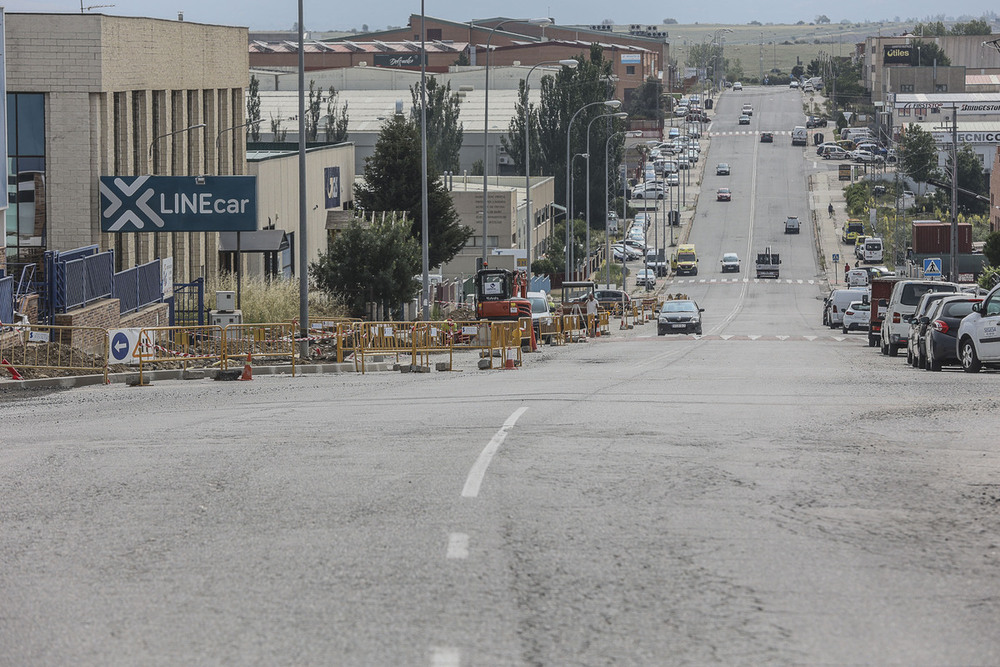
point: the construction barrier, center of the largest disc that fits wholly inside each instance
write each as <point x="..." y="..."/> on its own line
<point x="574" y="327"/>
<point x="337" y="332"/>
<point x="506" y="337"/>
<point x="244" y="342"/>
<point x="179" y="345"/>
<point x="41" y="347"/>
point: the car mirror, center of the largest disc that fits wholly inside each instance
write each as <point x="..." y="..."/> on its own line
<point x="883" y="303"/>
<point x="977" y="307"/>
<point x="701" y="310"/>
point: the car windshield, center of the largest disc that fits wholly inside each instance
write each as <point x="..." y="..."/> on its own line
<point x="723" y="191"/>
<point x="723" y="165"/>
<point x="730" y="257"/>
<point x="679" y="307"/>
<point x="539" y="305"/>
<point x="912" y="292"/>
<point x="685" y="257"/>
<point x="860" y="305"/>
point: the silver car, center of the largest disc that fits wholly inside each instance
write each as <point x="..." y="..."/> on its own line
<point x="730" y="262"/>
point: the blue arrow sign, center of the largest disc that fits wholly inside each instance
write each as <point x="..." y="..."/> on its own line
<point x="932" y="267"/>
<point x="120" y="346"/>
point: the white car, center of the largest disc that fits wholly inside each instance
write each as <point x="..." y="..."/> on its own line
<point x="646" y="277"/>
<point x="978" y="337"/>
<point x="866" y="156"/>
<point x="737" y="86"/>
<point x="649" y="190"/>
<point x="857" y="316"/>
<point x="730" y="262"/>
<point x="672" y="178"/>
<point x="793" y="84"/>
<point x="541" y="316"/>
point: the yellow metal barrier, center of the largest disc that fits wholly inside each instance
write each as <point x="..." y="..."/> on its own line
<point x="36" y="347"/>
<point x="336" y="332"/>
<point x="573" y="327"/>
<point x="179" y="345"/>
<point x="421" y="339"/>
<point x="506" y="337"/>
<point x="383" y="338"/>
<point x="269" y="341"/>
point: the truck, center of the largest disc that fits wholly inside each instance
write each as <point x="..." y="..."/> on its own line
<point x="881" y="290"/>
<point x="800" y="135"/>
<point x="792" y="225"/>
<point x="767" y="264"/>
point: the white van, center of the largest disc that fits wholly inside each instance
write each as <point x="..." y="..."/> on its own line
<point x="800" y="135"/>
<point x="900" y="306"/>
<point x="874" y="250"/>
<point x="856" y="134"/>
<point x="839" y="301"/>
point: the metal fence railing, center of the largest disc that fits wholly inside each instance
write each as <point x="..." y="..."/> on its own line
<point x="138" y="287"/>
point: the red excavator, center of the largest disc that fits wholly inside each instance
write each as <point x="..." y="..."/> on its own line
<point x="502" y="294"/>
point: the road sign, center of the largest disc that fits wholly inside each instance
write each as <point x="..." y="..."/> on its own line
<point x="836" y="258"/>
<point x="932" y="267"/>
<point x="178" y="203"/>
<point x="122" y="346"/>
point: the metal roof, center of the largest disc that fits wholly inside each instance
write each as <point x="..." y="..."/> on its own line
<point x="351" y="46"/>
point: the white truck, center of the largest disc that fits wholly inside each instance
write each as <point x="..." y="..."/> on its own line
<point x="800" y="135"/>
<point x="767" y="264"/>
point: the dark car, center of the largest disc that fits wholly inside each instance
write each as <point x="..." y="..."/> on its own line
<point x="608" y="299"/>
<point x="744" y="119"/>
<point x="722" y="169"/>
<point x="679" y="316"/>
<point x="814" y="121"/>
<point x="939" y="343"/>
<point x="697" y="117"/>
<point x="918" y="327"/>
<point x="767" y="137"/>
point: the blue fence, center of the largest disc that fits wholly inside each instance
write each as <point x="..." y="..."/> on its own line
<point x="7" y="299"/>
<point x="138" y="287"/>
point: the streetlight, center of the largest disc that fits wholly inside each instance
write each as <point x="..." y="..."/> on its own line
<point x="486" y="115"/>
<point x="638" y="148"/>
<point x="607" y="202"/>
<point x="572" y="196"/>
<point x="149" y="157"/>
<point x="611" y="104"/>
<point x="530" y="220"/>
<point x="620" y="114"/>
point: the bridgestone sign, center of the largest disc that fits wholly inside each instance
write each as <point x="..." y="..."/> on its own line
<point x="178" y="203"/>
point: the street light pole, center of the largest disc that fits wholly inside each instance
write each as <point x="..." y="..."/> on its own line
<point x="572" y="196"/>
<point x="607" y="207"/>
<point x="424" y="208"/>
<point x="611" y="104"/>
<point x="530" y="217"/>
<point x="486" y="114"/>
<point x="303" y="267"/>
<point x="620" y="114"/>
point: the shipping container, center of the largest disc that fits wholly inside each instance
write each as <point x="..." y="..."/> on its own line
<point x="934" y="236"/>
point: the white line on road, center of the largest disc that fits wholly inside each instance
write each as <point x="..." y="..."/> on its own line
<point x="475" y="478"/>
<point x="458" y="545"/>
<point x="445" y="656"/>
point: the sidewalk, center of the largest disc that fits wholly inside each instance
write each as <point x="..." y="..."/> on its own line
<point x="825" y="188"/>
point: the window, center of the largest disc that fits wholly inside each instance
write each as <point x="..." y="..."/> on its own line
<point x="433" y="33"/>
<point x="25" y="223"/>
<point x="906" y="87"/>
<point x="630" y="69"/>
<point x="941" y="88"/>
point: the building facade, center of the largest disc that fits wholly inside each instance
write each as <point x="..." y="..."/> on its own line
<point x="94" y="95"/>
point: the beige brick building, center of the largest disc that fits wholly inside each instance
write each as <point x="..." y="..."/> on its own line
<point x="91" y="95"/>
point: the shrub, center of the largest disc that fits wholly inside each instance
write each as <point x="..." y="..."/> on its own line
<point x="268" y="301"/>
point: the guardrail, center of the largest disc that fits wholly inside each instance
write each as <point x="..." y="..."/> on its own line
<point x="42" y="347"/>
<point x="268" y="341"/>
<point x="183" y="345"/>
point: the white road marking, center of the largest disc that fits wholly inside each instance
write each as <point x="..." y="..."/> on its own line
<point x="810" y="338"/>
<point x="458" y="545"/>
<point x="753" y="337"/>
<point x="782" y="337"/>
<point x="445" y="656"/>
<point x="726" y="336"/>
<point x="475" y="478"/>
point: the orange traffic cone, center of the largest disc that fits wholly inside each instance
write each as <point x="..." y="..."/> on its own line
<point x="247" y="373"/>
<point x="13" y="371"/>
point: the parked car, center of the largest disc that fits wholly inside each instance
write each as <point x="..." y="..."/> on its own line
<point x="608" y="299"/>
<point x="978" y="342"/>
<point x="744" y="119"/>
<point x="620" y="252"/>
<point x="914" y="338"/>
<point x="649" y="190"/>
<point x="637" y="245"/>
<point x="814" y="121"/>
<point x="866" y="156"/>
<point x="942" y="324"/>
<point x="646" y="277"/>
<point x="837" y="303"/>
<point x="767" y="137"/>
<point x="683" y="162"/>
<point x="836" y="153"/>
<point x="722" y="169"/>
<point x="541" y="316"/>
<point x="730" y="262"/>
<point x="857" y="316"/>
<point x="723" y="194"/>
<point x="793" y="84"/>
<point x="679" y="316"/>
<point x="900" y="306"/>
<point x="672" y="178"/>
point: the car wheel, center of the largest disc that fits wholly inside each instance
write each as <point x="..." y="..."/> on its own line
<point x="843" y="330"/>
<point x="909" y="357"/>
<point x="893" y="350"/>
<point x="883" y="348"/>
<point x="919" y="360"/>
<point x="932" y="363"/>
<point x="969" y="358"/>
<point x="871" y="340"/>
<point x="698" y="330"/>
<point x="661" y="332"/>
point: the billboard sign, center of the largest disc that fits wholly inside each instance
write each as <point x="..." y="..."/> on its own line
<point x="178" y="203"/>
<point x="331" y="187"/>
<point x="397" y="60"/>
<point x="631" y="58"/>
<point x="897" y="54"/>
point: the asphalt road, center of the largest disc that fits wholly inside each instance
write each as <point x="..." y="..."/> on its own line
<point x="769" y="493"/>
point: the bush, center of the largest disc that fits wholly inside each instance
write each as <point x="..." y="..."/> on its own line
<point x="269" y="301"/>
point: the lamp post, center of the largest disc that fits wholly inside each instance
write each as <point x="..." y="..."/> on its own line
<point x="424" y="212"/>
<point x="150" y="169"/>
<point x="620" y="114"/>
<point x="572" y="196"/>
<point x="611" y="104"/>
<point x="607" y="207"/>
<point x="486" y="113"/>
<point x="530" y="218"/>
<point x="638" y="147"/>
<point x="239" y="257"/>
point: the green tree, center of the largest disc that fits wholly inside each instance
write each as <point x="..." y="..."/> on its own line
<point x="312" y="111"/>
<point x="336" y="119"/>
<point x="734" y="70"/>
<point x="974" y="27"/>
<point x="370" y="264"/>
<point x="645" y="103"/>
<point x="278" y="133"/>
<point x="822" y="18"/>
<point x="392" y="183"/>
<point x="991" y="249"/>
<point x="918" y="154"/>
<point x="936" y="29"/>
<point x="970" y="178"/>
<point x="554" y="260"/>
<point x="444" y="132"/>
<point x="462" y="60"/>
<point x="253" y="109"/>
<point x="927" y="54"/>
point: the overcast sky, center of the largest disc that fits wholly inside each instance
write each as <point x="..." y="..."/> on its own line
<point x="378" y="14"/>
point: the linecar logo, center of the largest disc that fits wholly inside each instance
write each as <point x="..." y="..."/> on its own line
<point x="131" y="193"/>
